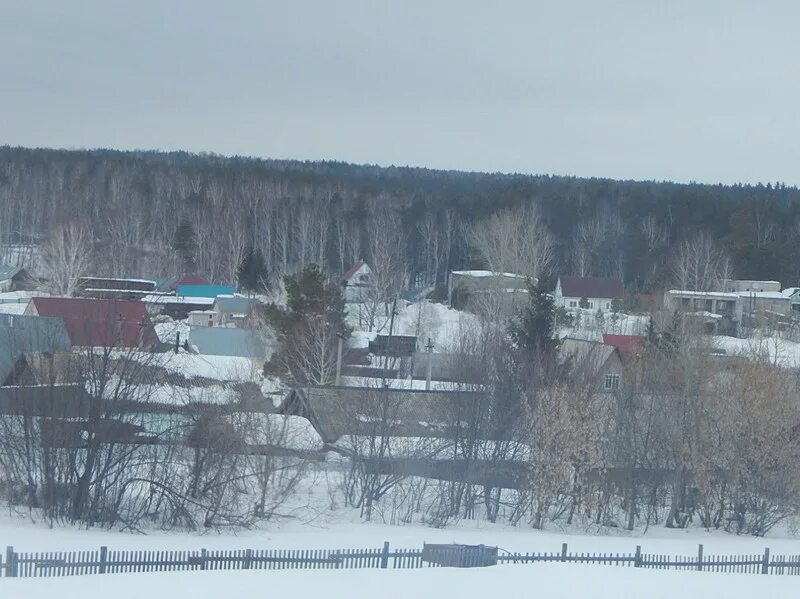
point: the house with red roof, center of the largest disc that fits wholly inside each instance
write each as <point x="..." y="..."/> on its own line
<point x="99" y="322"/>
<point x="357" y="281"/>
<point x="599" y="292"/>
<point x="627" y="345"/>
<point x="188" y="280"/>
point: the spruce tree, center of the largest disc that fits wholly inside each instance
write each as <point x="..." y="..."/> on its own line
<point x="252" y="272"/>
<point x="535" y="331"/>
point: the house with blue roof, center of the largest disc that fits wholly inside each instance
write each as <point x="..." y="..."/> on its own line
<point x="211" y="291"/>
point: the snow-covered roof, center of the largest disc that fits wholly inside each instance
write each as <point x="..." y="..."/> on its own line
<point x="790" y="291"/>
<point x="486" y="273"/>
<point x="172" y="299"/>
<point x="719" y="294"/>
<point x="772" y="295"/>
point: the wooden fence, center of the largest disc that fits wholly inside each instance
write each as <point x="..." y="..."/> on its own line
<point x="105" y="561"/>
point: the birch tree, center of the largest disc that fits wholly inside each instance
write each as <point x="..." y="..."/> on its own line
<point x="66" y="257"/>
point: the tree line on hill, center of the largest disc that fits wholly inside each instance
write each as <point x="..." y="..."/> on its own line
<point x="149" y="214"/>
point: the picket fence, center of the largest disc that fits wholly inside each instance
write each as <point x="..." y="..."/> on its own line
<point x="105" y="561"/>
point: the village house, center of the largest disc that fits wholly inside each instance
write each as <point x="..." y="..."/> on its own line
<point x="717" y="312"/>
<point x="596" y="293"/>
<point x="357" y="282"/>
<point x="747" y="285"/>
<point x="235" y="311"/>
<point x="99" y="322"/>
<point x="13" y="278"/>
<point x="24" y="337"/>
<point x="225" y="341"/>
<point x="598" y="363"/>
<point x="465" y="287"/>
<point x="207" y="291"/>
<point x="115" y="288"/>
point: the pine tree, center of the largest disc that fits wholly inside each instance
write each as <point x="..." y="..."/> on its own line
<point x="308" y="328"/>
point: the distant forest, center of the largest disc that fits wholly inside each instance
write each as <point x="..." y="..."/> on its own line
<point x="151" y="214"/>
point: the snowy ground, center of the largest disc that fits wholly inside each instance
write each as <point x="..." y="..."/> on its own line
<point x="509" y="581"/>
<point x="781" y="352"/>
<point x="343" y="530"/>
<point x="536" y="580"/>
<point x="424" y="319"/>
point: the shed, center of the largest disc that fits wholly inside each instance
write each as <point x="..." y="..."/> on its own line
<point x="11" y="277"/>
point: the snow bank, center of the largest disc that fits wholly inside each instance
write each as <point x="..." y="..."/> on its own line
<point x="510" y="581"/>
<point x="222" y="368"/>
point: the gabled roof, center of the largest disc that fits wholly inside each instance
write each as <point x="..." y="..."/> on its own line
<point x="625" y="344"/>
<point x="100" y="322"/>
<point x="29" y="334"/>
<point x="8" y="271"/>
<point x="588" y="355"/>
<point x="222" y="341"/>
<point x="600" y="287"/>
<point x="354" y="268"/>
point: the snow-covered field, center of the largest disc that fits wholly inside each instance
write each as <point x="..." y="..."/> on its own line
<point x="552" y="581"/>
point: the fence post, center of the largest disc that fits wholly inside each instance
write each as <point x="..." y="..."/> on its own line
<point x="385" y="555"/>
<point x="103" y="558"/>
<point x="563" y="552"/>
<point x="248" y="559"/>
<point x="11" y="566"/>
<point x="637" y="558"/>
<point x="700" y="556"/>
<point x="203" y="558"/>
<point x="765" y="563"/>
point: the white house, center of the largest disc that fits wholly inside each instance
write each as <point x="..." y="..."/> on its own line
<point x="357" y="281"/>
<point x="599" y="292"/>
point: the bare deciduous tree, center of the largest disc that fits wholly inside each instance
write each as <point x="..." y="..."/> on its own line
<point x="700" y="264"/>
<point x="66" y="257"/>
<point x="532" y="252"/>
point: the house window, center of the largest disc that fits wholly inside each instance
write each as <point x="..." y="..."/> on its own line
<point x="591" y="305"/>
<point x="573" y="304"/>
<point x="611" y="382"/>
<point x="608" y="305"/>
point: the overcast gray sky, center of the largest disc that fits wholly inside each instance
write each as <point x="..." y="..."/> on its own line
<point x="681" y="90"/>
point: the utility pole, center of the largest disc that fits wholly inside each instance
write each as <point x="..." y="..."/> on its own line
<point x="429" y="348"/>
<point x="339" y="359"/>
<point x="389" y="343"/>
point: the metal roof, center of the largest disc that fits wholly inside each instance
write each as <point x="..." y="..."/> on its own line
<point x="223" y="341"/>
<point x="233" y="305"/>
<point x="29" y="334"/>
<point x="205" y="290"/>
